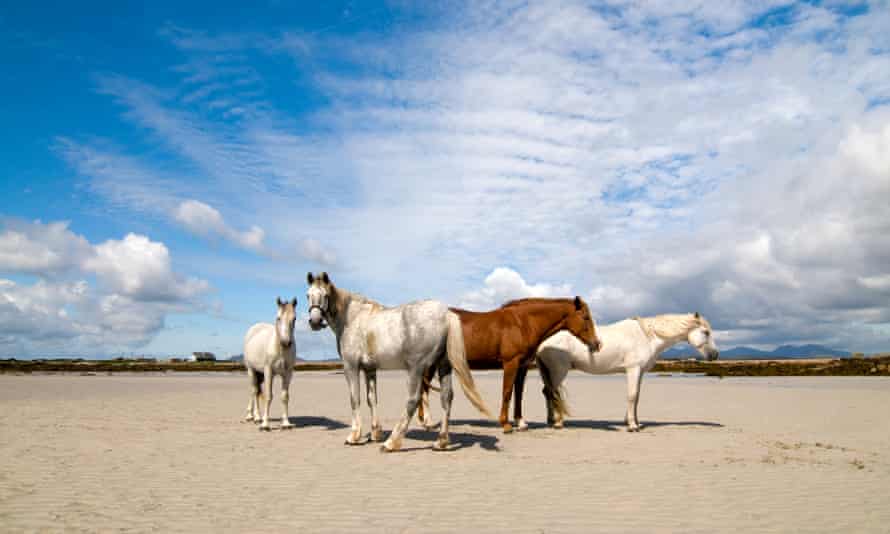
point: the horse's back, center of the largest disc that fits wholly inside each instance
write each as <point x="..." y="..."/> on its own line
<point x="386" y="335"/>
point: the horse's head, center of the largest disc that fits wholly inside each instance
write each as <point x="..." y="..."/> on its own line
<point x="581" y="324"/>
<point x="701" y="337"/>
<point x="320" y="294"/>
<point x="284" y="321"/>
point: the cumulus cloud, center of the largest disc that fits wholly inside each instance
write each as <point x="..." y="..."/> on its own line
<point x="504" y="284"/>
<point x="64" y="312"/>
<point x="203" y="220"/>
<point x="657" y="158"/>
<point x="40" y="248"/>
<point x="140" y="268"/>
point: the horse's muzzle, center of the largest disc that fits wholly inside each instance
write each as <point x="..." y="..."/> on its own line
<point x="320" y="325"/>
<point x="713" y="355"/>
<point x="595" y="347"/>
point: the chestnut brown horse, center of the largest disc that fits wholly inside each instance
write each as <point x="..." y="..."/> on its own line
<point x="508" y="338"/>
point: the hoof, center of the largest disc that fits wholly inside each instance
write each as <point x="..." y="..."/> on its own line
<point x="634" y="428"/>
<point x="508" y="428"/>
<point x="264" y="428"/>
<point x="558" y="426"/>
<point x="522" y="426"/>
<point x="389" y="447"/>
<point x="353" y="443"/>
<point x="286" y="426"/>
<point x="442" y="445"/>
<point x="376" y="434"/>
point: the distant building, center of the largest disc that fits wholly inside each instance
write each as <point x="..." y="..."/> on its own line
<point x="203" y="357"/>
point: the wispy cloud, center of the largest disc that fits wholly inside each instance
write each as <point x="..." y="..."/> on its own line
<point x="728" y="158"/>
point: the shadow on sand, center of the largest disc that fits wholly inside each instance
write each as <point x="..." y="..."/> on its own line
<point x="309" y="420"/>
<point x="459" y="440"/>
<point x="611" y="426"/>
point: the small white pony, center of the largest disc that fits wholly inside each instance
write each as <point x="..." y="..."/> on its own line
<point x="269" y="351"/>
<point x="631" y="345"/>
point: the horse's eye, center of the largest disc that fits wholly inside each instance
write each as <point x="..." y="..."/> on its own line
<point x="706" y="333"/>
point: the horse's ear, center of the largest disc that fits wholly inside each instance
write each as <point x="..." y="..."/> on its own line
<point x="309" y="278"/>
<point x="577" y="302"/>
<point x="293" y="302"/>
<point x="697" y="315"/>
<point x="278" y="301"/>
<point x="324" y="278"/>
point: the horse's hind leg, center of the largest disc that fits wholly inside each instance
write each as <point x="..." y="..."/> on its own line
<point x="511" y="367"/>
<point x="394" y="441"/>
<point x="519" y="386"/>
<point x="371" y="383"/>
<point x="634" y="376"/>
<point x="251" y="404"/>
<point x="423" y="409"/>
<point x="267" y="371"/>
<point x="258" y="379"/>
<point x="446" y="393"/>
<point x="285" y="397"/>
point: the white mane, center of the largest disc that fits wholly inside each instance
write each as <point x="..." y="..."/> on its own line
<point x="671" y="325"/>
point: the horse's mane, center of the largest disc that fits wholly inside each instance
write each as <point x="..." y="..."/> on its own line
<point x="356" y="297"/>
<point x="534" y="300"/>
<point x="670" y="325"/>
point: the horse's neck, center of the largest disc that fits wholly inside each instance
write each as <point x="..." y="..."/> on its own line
<point x="551" y="322"/>
<point x="349" y="306"/>
<point x="661" y="341"/>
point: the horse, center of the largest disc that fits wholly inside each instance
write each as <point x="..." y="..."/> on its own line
<point x="508" y="337"/>
<point x="415" y="337"/>
<point x="631" y="345"/>
<point x="269" y="351"/>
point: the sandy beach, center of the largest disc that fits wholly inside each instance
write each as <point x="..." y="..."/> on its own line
<point x="168" y="453"/>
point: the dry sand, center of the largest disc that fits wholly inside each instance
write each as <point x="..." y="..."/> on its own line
<point x="141" y="452"/>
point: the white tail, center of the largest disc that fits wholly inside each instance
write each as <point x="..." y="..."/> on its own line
<point x="457" y="356"/>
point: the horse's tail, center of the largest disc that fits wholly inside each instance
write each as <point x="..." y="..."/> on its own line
<point x="457" y="357"/>
<point x="554" y="394"/>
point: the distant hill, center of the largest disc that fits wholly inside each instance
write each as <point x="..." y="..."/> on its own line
<point x="750" y="353"/>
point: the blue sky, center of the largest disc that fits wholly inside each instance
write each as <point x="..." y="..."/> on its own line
<point x="170" y="169"/>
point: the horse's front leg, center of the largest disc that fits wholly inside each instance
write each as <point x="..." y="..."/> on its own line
<point x="394" y="441"/>
<point x="446" y="393"/>
<point x="285" y="397"/>
<point x="517" y="398"/>
<point x="511" y="367"/>
<point x="267" y="372"/>
<point x="371" y="383"/>
<point x="634" y="376"/>
<point x="352" y="381"/>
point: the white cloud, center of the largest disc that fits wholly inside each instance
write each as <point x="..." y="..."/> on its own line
<point x="40" y="248"/>
<point x="661" y="158"/>
<point x="203" y="220"/>
<point x="504" y="284"/>
<point x="139" y="268"/>
<point x="63" y="313"/>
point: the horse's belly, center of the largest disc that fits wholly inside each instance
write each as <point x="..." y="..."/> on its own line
<point x="385" y="362"/>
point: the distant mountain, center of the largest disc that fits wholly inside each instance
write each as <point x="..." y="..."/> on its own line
<point x="750" y="353"/>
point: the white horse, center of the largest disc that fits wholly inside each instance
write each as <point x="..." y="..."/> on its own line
<point x="631" y="345"/>
<point x="269" y="351"/>
<point x="413" y="337"/>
